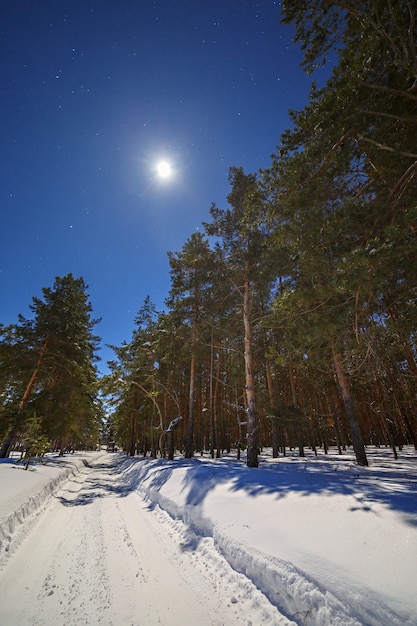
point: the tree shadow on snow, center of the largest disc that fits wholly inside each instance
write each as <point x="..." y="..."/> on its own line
<point x="384" y="484"/>
<point x="94" y="486"/>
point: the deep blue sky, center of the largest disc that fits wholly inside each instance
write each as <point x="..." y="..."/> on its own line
<point x="93" y="94"/>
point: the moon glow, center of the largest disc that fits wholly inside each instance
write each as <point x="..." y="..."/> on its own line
<point x="164" y="169"/>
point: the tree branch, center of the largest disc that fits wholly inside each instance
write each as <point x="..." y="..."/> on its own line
<point x="338" y="143"/>
<point x="382" y="146"/>
<point x="401" y="185"/>
<point x="385" y="89"/>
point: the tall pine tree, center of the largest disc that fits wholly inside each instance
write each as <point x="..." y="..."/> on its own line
<point x="61" y="386"/>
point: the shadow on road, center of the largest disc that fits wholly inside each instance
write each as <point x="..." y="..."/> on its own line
<point x="97" y="480"/>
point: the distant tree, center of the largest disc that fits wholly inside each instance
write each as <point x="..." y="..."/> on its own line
<point x="192" y="273"/>
<point x="36" y="444"/>
<point x="135" y="386"/>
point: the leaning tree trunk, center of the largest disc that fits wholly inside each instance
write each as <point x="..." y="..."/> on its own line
<point x="11" y="435"/>
<point x="252" y="427"/>
<point x="357" y="440"/>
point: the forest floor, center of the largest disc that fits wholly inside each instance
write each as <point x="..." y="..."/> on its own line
<point x="103" y="539"/>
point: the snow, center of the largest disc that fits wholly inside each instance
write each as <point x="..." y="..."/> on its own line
<point x="101" y="538"/>
<point x="24" y="494"/>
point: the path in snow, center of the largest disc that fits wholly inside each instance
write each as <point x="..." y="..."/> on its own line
<point x="100" y="555"/>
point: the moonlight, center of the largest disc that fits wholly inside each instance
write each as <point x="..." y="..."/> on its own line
<point x="164" y="169"/>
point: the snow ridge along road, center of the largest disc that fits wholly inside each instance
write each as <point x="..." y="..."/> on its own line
<point x="24" y="495"/>
<point x="100" y="554"/>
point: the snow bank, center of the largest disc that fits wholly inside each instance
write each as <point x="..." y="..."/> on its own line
<point x="24" y="494"/>
<point x="327" y="542"/>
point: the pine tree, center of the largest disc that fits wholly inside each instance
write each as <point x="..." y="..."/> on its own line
<point x="20" y="359"/>
<point x="344" y="177"/>
<point x="136" y="386"/>
<point x="60" y="341"/>
<point x="244" y="244"/>
<point x="191" y="283"/>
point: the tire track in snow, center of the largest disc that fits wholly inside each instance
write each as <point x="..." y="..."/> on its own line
<point x="77" y="581"/>
<point x="99" y="555"/>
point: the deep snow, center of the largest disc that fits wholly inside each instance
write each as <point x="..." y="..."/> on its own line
<point x="315" y="540"/>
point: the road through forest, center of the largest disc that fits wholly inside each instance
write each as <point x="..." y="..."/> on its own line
<point x="100" y="554"/>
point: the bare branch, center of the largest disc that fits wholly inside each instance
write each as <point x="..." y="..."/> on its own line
<point x="390" y="116"/>
<point x="382" y="146"/>
<point x="405" y="179"/>
<point x="412" y="43"/>
<point x="405" y="94"/>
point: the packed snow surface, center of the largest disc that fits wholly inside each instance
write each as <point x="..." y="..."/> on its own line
<point x="101" y="538"/>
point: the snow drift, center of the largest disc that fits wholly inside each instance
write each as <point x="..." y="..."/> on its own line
<point x="325" y="541"/>
<point x="24" y="495"/>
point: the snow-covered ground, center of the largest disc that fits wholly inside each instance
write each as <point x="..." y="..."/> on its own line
<point x="100" y="538"/>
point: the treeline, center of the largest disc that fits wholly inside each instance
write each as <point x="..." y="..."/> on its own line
<point x="48" y="378"/>
<point x="291" y="320"/>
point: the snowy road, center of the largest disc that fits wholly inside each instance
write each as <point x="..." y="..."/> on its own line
<point x="100" y="555"/>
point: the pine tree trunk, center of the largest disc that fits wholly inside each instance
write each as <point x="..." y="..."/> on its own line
<point x="271" y="398"/>
<point x="217" y="402"/>
<point x="212" y="409"/>
<point x="132" y="434"/>
<point x="170" y="445"/>
<point x="401" y="409"/>
<point x="300" y="429"/>
<point x="356" y="434"/>
<point x="189" y="450"/>
<point x="252" y="428"/>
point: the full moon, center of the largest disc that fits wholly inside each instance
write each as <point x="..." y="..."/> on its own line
<point x="164" y="169"/>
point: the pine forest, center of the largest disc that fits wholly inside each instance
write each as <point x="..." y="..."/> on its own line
<point x="292" y="314"/>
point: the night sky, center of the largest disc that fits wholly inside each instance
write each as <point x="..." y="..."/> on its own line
<point x="94" y="93"/>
